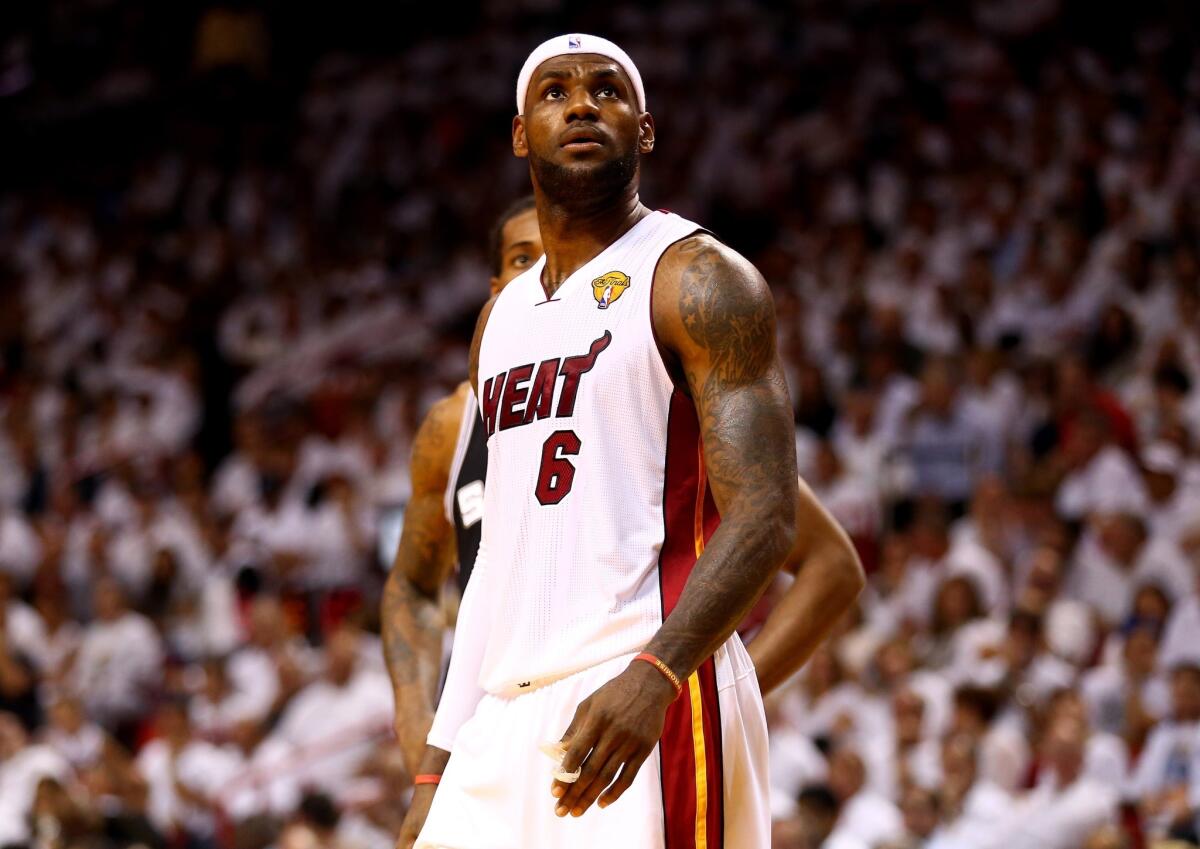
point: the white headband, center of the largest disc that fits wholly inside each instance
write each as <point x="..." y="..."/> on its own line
<point x="563" y="45"/>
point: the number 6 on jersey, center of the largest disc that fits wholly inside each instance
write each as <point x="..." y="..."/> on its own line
<point x="557" y="473"/>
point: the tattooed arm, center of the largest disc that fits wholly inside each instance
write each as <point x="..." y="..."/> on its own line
<point x="829" y="577"/>
<point x="411" y="614"/>
<point x="461" y="690"/>
<point x="714" y="317"/>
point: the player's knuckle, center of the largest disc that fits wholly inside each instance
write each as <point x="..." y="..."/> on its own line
<point x="641" y="739"/>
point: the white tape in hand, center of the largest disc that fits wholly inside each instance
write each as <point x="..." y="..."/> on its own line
<point x="556" y="751"/>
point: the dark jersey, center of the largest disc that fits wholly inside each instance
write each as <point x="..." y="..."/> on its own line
<point x="464" y="496"/>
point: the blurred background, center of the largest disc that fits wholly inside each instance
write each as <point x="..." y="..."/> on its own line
<point x="242" y="247"/>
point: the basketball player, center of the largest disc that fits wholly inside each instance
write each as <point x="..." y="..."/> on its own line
<point x="443" y="516"/>
<point x="641" y="494"/>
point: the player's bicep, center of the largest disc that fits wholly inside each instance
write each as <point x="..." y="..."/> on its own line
<point x="426" y="552"/>
<point x="426" y="547"/>
<point x="721" y="329"/>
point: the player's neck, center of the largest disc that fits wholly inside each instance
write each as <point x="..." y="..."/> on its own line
<point x="573" y="236"/>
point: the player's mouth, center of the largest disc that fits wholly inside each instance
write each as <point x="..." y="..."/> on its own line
<point x="583" y="138"/>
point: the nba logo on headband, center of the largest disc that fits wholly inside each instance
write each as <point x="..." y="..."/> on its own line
<point x="570" y="43"/>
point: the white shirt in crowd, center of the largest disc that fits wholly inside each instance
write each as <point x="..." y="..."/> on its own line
<point x="985" y="809"/>
<point x="1098" y="580"/>
<point x="854" y="503"/>
<point x="1181" y="639"/>
<point x="794" y="763"/>
<point x="870" y="818"/>
<point x="81" y="748"/>
<point x="1109" y="483"/>
<point x="1107" y="688"/>
<point x="19" y="778"/>
<point x="26" y="633"/>
<point x="235" y="485"/>
<point x="1168" y="760"/>
<point x="20" y="550"/>
<point x="201" y="767"/>
<point x="321" y="741"/>
<point x="118" y="664"/>
<point x="979" y="660"/>
<point x="1052" y="818"/>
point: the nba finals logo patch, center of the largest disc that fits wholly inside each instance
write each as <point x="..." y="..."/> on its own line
<point x="574" y="42"/>
<point x="608" y="287"/>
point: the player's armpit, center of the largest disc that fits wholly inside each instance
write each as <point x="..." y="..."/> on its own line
<point x="411" y="617"/>
<point x="829" y="578"/>
<point x="715" y="319"/>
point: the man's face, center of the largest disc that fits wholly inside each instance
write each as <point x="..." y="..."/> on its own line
<point x="341" y="657"/>
<point x="1185" y="695"/>
<point x="816" y="824"/>
<point x="107" y="601"/>
<point x="65" y="715"/>
<point x="173" y="724"/>
<point x="920" y="812"/>
<point x="846" y="774"/>
<point x="908" y="712"/>
<point x="12" y="736"/>
<point x="1063" y="747"/>
<point x="958" y="761"/>
<point x="1140" y="651"/>
<point x="938" y="389"/>
<point x="581" y="129"/>
<point x="1160" y="485"/>
<point x="520" y="247"/>
<point x="1120" y="536"/>
<point x="1021" y="647"/>
<point x="826" y="465"/>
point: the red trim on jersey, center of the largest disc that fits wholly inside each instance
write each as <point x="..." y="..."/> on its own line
<point x="690" y="518"/>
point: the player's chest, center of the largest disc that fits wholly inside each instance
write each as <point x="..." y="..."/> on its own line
<point x="550" y="357"/>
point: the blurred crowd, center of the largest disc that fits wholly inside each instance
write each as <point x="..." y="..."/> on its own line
<point x="220" y="328"/>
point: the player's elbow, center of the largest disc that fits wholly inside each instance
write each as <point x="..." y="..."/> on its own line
<point x="401" y="588"/>
<point x="778" y="532"/>
<point x="843" y="572"/>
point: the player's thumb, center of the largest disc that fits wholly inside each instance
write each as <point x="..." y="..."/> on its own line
<point x="577" y="723"/>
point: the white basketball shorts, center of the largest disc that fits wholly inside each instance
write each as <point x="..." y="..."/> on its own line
<point x="706" y="787"/>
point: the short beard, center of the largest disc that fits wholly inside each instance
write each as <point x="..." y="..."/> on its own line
<point x="584" y="187"/>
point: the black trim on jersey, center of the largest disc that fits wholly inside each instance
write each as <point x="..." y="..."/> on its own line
<point x="468" y="481"/>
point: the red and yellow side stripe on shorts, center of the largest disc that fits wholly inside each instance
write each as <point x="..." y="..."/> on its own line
<point x="692" y="773"/>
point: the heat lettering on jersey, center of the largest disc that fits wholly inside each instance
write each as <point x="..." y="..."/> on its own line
<point x="511" y="399"/>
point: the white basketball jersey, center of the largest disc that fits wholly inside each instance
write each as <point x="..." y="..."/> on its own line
<point x="595" y="507"/>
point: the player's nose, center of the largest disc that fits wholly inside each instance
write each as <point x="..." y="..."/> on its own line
<point x="581" y="106"/>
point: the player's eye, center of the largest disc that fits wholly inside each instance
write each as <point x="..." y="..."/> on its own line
<point x="554" y="92"/>
<point x="521" y="260"/>
<point x="607" y="91"/>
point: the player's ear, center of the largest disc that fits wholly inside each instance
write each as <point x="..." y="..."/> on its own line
<point x="646" y="133"/>
<point x="519" y="143"/>
<point x="494" y="283"/>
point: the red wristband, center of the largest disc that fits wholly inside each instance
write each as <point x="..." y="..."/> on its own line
<point x="426" y="779"/>
<point x="664" y="669"/>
